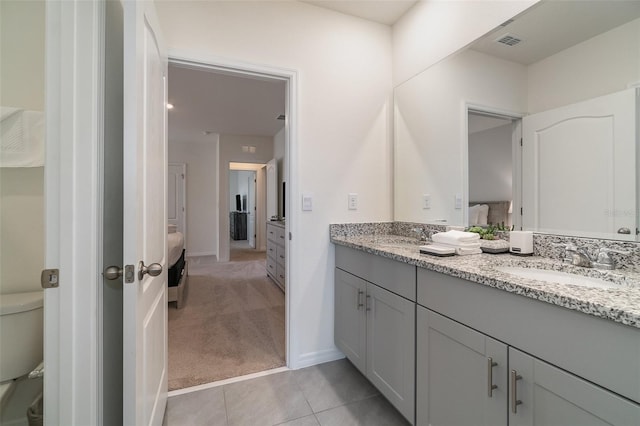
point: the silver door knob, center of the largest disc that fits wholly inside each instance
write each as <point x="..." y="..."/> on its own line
<point x="626" y="231"/>
<point x="154" y="269"/>
<point x="112" y="272"/>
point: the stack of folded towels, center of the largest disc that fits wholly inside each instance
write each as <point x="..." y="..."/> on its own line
<point x="463" y="242"/>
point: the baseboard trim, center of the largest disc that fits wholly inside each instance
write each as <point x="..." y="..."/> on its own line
<point x="200" y="253"/>
<point x="314" y="358"/>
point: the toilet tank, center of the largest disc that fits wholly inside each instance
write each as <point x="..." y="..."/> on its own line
<point x="21" y="338"/>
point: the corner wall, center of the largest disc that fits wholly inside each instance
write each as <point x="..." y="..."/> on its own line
<point x="201" y="159"/>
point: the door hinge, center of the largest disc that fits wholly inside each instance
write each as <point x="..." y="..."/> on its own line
<point x="290" y="236"/>
<point x="182" y="174"/>
<point x="520" y="141"/>
<point x="50" y="278"/>
<point x="520" y="211"/>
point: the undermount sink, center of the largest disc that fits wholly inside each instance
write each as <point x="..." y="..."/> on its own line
<point x="556" y="277"/>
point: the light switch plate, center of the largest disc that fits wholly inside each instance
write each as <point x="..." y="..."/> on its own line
<point x="353" y="201"/>
<point x="307" y="202"/>
<point x="458" y="202"/>
<point x="426" y="201"/>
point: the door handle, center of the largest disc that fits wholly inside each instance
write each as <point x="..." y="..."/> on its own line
<point x="114" y="272"/>
<point x="154" y="269"/>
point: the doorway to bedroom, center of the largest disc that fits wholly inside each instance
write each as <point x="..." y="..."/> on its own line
<point x="225" y="126"/>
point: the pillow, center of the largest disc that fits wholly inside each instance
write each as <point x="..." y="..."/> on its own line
<point x="483" y="213"/>
<point x="473" y="214"/>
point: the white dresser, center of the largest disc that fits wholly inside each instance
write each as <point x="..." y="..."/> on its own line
<point x="276" y="257"/>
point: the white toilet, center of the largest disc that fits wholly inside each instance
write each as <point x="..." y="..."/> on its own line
<point x="21" y="342"/>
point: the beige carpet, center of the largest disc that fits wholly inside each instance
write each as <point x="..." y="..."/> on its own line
<point x="231" y="324"/>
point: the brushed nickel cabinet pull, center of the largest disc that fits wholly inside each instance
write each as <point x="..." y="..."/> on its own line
<point x="514" y="391"/>
<point x="490" y="385"/>
<point x="359" y="301"/>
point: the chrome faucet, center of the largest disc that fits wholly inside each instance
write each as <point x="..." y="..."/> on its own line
<point x="604" y="261"/>
<point x="422" y="234"/>
<point x="579" y="257"/>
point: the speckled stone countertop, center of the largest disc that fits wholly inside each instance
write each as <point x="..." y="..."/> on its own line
<point x="620" y="304"/>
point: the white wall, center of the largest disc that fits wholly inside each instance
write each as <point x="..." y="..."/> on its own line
<point x="21" y="189"/>
<point x="430" y="129"/>
<point x="603" y="64"/>
<point x="343" y="135"/>
<point x="231" y="151"/>
<point x="432" y="30"/>
<point x="202" y="178"/>
<point x="490" y="170"/>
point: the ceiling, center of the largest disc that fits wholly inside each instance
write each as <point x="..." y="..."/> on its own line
<point x="382" y="11"/>
<point x="553" y="26"/>
<point x="206" y="101"/>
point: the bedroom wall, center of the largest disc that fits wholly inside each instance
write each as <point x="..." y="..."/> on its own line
<point x="343" y="140"/>
<point x="21" y="189"/>
<point x="201" y="159"/>
<point x="595" y="67"/>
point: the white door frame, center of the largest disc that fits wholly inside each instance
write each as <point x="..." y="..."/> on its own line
<point x="203" y="61"/>
<point x="516" y="156"/>
<point x="73" y="240"/>
<point x="183" y="185"/>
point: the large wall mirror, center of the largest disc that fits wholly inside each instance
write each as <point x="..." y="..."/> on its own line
<point x="561" y="76"/>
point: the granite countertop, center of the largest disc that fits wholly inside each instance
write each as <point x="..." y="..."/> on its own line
<point x="620" y="304"/>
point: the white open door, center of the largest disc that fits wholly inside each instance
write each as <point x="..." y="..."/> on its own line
<point x="578" y="164"/>
<point x="145" y="218"/>
<point x="176" y="202"/>
<point x="272" y="189"/>
<point x="251" y="209"/>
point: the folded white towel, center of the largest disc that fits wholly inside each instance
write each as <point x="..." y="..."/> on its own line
<point x="462" y="251"/>
<point x="455" y="237"/>
<point x="463" y="245"/>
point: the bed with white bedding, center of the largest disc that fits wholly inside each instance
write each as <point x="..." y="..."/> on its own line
<point x="177" y="276"/>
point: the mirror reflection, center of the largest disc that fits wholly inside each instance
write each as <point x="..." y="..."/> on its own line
<point x="554" y="55"/>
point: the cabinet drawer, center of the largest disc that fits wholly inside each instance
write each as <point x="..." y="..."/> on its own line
<point x="272" y="250"/>
<point x="271" y="266"/>
<point x="397" y="277"/>
<point x="280" y="256"/>
<point x="279" y="238"/>
<point x="280" y="274"/>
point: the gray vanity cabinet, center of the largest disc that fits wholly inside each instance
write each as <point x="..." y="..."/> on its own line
<point x="461" y="375"/>
<point x="375" y="327"/>
<point x="350" y="333"/>
<point x="541" y="394"/>
<point x="564" y="367"/>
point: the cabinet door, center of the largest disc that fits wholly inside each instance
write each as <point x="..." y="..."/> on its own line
<point x="456" y="368"/>
<point x="350" y="331"/>
<point x="541" y="394"/>
<point x="391" y="347"/>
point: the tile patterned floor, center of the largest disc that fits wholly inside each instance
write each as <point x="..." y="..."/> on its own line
<point x="328" y="394"/>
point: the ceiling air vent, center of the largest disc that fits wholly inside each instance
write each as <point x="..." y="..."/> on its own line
<point x="508" y="39"/>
